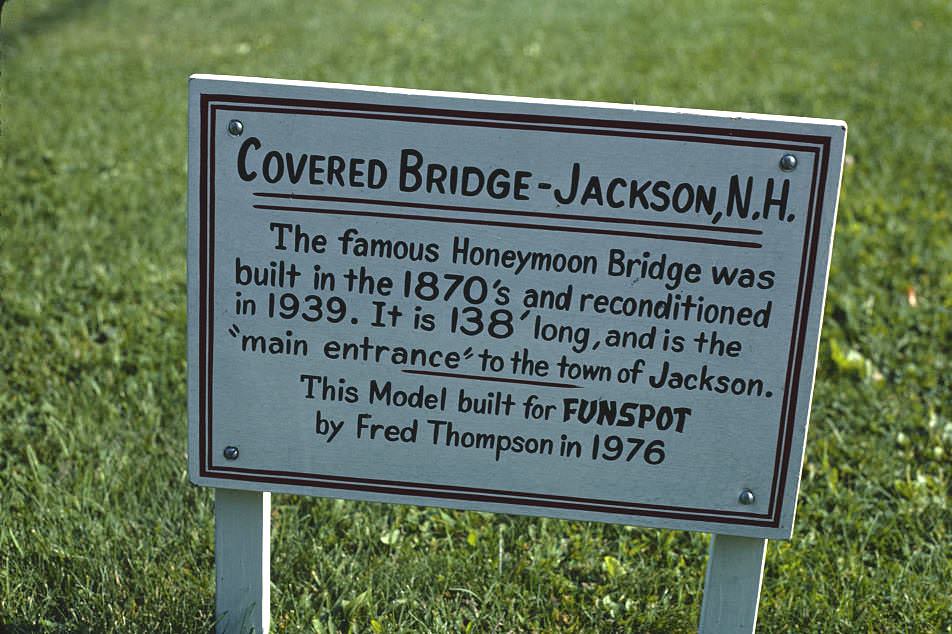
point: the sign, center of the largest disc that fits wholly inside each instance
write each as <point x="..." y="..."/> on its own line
<point x="579" y="310"/>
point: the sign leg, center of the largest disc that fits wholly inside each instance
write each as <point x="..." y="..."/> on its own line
<point x="242" y="561"/>
<point x="735" y="569"/>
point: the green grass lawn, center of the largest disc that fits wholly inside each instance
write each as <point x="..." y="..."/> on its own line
<point x="100" y="529"/>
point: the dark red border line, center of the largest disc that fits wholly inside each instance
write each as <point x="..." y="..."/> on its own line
<point x="771" y="519"/>
<point x="509" y="212"/>
<point x="530" y="127"/>
<point x="795" y="388"/>
<point x="515" y="225"/>
<point x="521" y="117"/>
<point x="788" y="405"/>
<point x="512" y="498"/>
<point x="480" y="491"/>
<point x="202" y="299"/>
<point x="211" y="285"/>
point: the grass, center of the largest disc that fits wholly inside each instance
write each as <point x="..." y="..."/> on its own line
<point x="100" y="529"/>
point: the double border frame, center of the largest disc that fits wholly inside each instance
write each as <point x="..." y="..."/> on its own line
<point x="818" y="145"/>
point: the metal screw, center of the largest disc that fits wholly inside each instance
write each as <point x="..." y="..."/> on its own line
<point x="231" y="453"/>
<point x="235" y="127"/>
<point x="788" y="162"/>
<point x="746" y="496"/>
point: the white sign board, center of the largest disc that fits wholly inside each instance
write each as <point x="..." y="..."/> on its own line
<point x="580" y="310"/>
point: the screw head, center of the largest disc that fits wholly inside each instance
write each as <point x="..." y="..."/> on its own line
<point x="746" y="497"/>
<point x="235" y="127"/>
<point x="231" y="453"/>
<point x="788" y="162"/>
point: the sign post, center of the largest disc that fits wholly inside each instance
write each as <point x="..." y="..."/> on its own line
<point x="579" y="310"/>
<point x="735" y="571"/>
<point x="242" y="561"/>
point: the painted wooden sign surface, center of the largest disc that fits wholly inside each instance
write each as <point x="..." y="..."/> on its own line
<point x="580" y="310"/>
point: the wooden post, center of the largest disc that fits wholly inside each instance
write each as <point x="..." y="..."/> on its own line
<point x="242" y="561"/>
<point x="735" y="570"/>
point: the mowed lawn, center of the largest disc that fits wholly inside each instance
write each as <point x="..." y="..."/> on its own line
<point x="100" y="529"/>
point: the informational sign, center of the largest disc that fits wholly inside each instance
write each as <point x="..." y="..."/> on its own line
<point x="580" y="310"/>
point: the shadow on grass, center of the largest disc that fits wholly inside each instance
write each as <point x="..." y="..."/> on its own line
<point x="42" y="22"/>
